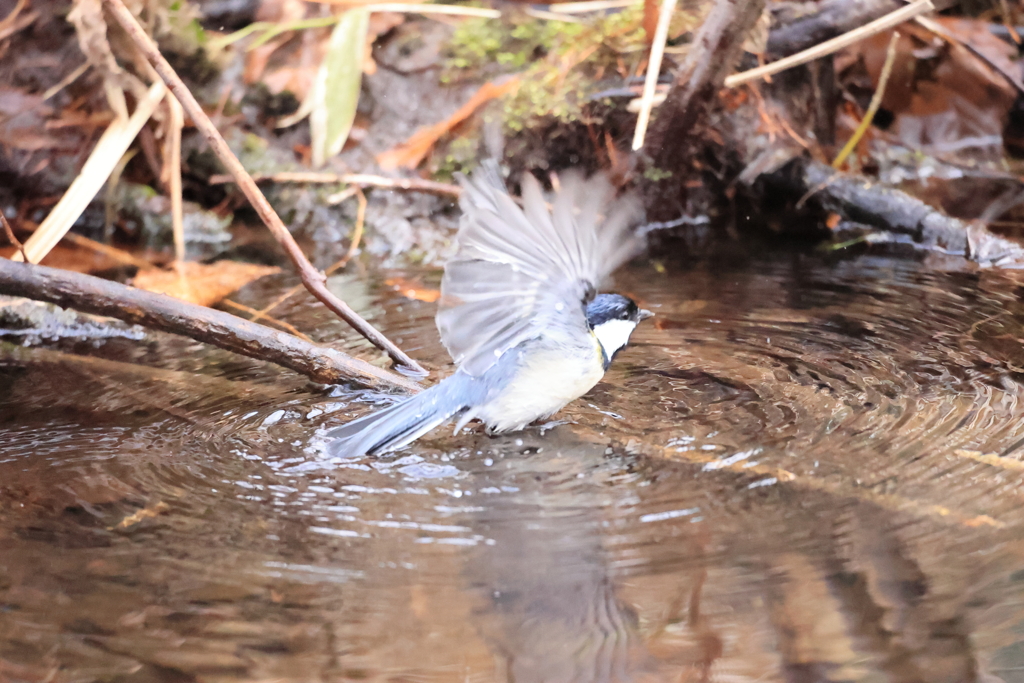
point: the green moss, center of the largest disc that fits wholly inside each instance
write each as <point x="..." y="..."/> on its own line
<point x="656" y="174"/>
<point x="460" y="156"/>
<point x="497" y="46"/>
<point x="254" y="144"/>
<point x="559" y="63"/>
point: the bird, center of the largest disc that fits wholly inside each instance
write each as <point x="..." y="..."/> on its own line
<point x="519" y="311"/>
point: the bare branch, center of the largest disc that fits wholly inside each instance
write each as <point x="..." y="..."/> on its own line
<point x="313" y="279"/>
<point x="161" y="312"/>
<point x="11" y="238"/>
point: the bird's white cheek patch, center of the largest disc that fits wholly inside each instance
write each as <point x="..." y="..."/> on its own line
<point x="614" y="334"/>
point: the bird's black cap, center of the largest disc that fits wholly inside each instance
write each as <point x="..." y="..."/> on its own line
<point x="605" y="307"/>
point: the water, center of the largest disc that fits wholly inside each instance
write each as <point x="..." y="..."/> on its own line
<point x="804" y="469"/>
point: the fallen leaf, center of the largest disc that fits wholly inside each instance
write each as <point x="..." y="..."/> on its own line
<point x="200" y="283"/>
<point x="411" y="152"/>
<point x="413" y="290"/>
<point x="145" y="513"/>
<point x="336" y="88"/>
<point x="942" y="92"/>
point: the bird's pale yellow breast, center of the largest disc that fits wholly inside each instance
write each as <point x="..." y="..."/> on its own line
<point x="548" y="380"/>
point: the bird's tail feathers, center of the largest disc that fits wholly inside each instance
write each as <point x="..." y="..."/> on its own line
<point x="402" y="423"/>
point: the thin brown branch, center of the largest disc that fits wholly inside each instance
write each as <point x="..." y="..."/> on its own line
<point x="161" y="312"/>
<point x="994" y="64"/>
<point x="717" y="48"/>
<point x="358" y="179"/>
<point x="357" y="231"/>
<point x="10" y="236"/>
<point x="311" y="277"/>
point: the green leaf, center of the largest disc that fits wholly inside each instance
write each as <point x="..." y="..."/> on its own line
<point x="336" y="89"/>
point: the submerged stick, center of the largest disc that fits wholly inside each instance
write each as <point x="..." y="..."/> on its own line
<point x="313" y="279"/>
<point x="861" y="200"/>
<point x="167" y="314"/>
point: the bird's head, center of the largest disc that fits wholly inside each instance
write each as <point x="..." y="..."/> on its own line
<point x="613" y="317"/>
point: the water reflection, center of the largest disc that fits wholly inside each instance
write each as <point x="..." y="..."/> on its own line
<point x="808" y="471"/>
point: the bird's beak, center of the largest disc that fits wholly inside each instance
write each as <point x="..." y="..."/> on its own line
<point x="645" y="314"/>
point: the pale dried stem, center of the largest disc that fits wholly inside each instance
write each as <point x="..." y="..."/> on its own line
<point x="66" y="81"/>
<point x="97" y="169"/>
<point x="113" y="252"/>
<point x="357" y="231"/>
<point x="653" y="71"/>
<point x="173" y="160"/>
<point x="876" y="102"/>
<point x="884" y="23"/>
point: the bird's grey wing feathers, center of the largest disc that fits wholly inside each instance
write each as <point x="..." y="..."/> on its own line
<point x="521" y="270"/>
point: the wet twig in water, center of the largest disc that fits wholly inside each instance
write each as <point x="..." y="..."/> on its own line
<point x="357" y="179"/>
<point x="311" y="277"/>
<point x="838" y="487"/>
<point x="160" y="312"/>
<point x="11" y="238"/>
<point x="861" y="200"/>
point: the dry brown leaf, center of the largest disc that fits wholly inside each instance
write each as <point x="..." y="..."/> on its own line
<point x="411" y="152"/>
<point x="413" y="290"/>
<point x="295" y="71"/>
<point x="939" y="91"/>
<point x="257" y="58"/>
<point x="200" y="283"/>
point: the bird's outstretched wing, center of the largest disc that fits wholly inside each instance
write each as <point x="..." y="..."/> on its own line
<point x="521" y="271"/>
